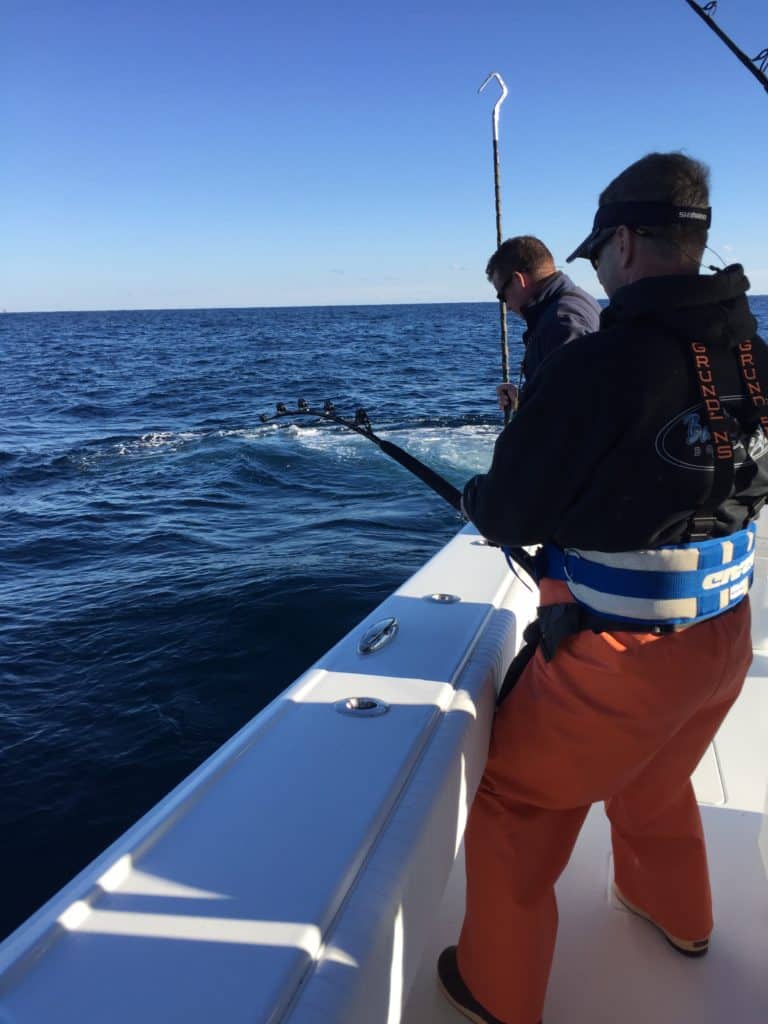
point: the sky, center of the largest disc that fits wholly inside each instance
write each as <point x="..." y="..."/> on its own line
<point x="219" y="153"/>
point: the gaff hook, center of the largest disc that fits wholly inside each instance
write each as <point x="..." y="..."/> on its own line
<point x="499" y="233"/>
<point x="499" y="101"/>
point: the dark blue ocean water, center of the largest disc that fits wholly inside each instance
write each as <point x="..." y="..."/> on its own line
<point x="168" y="564"/>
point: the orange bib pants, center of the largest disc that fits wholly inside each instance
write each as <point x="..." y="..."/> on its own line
<point x="619" y="717"/>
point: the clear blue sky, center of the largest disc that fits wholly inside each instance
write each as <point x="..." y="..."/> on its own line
<point x="232" y="153"/>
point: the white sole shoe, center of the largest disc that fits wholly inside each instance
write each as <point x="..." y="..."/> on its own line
<point x="688" y="947"/>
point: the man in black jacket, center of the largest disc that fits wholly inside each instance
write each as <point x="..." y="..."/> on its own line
<point x="555" y="310"/>
<point x="638" y="459"/>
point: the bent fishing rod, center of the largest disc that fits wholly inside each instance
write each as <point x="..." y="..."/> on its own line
<point x="757" y="65"/>
<point x="361" y="425"/>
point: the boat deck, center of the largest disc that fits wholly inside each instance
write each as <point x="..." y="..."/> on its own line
<point x="611" y="966"/>
<point x="305" y="873"/>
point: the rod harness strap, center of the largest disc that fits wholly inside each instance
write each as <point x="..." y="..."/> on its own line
<point x="554" y="624"/>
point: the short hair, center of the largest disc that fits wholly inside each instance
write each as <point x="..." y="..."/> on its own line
<point x="666" y="178"/>
<point x="523" y="253"/>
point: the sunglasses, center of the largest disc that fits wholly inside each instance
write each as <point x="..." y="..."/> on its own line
<point x="597" y="248"/>
<point x="501" y="291"/>
<point x="594" y="256"/>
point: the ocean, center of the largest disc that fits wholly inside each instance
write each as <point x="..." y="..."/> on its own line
<point x="169" y="563"/>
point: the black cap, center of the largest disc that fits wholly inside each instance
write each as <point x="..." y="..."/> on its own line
<point x="639" y="214"/>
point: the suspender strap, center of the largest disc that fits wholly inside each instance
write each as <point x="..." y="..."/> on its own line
<point x="702" y="523"/>
<point x="752" y="383"/>
<point x="758" y="399"/>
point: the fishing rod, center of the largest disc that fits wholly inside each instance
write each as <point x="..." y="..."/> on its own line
<point x="361" y="425"/>
<point x="756" y="65"/>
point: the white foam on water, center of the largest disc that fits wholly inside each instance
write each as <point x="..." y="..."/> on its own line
<point x="465" y="449"/>
<point x="298" y="431"/>
<point x="455" y="451"/>
<point x="249" y="433"/>
<point x="156" y="440"/>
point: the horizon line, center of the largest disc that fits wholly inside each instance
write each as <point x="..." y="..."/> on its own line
<point x="311" y="305"/>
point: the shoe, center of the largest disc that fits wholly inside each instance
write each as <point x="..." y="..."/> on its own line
<point x="457" y="993"/>
<point x="688" y="947"/>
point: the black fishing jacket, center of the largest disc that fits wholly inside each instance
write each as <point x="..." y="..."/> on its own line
<point x="611" y="449"/>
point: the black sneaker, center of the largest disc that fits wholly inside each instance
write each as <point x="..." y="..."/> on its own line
<point x="457" y="993"/>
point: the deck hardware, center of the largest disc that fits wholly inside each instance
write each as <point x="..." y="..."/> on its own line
<point x="361" y="707"/>
<point x="377" y="635"/>
<point x="443" y="598"/>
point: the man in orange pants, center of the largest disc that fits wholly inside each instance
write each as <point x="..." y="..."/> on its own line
<point x="641" y="483"/>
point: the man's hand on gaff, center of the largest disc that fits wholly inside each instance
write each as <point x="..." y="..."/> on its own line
<point x="507" y="395"/>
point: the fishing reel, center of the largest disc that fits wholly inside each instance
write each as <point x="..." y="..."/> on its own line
<point x="302" y="406"/>
<point x="361" y="420"/>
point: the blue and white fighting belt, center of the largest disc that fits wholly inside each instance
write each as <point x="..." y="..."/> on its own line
<point x="674" y="585"/>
